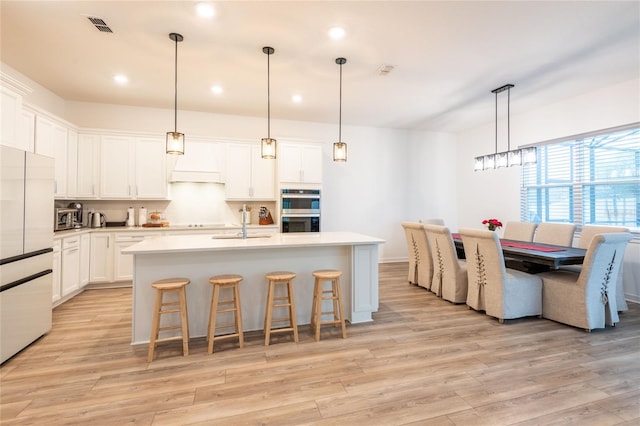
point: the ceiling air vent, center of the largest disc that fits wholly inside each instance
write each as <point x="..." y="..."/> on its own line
<point x="100" y="24"/>
<point x="385" y="69"/>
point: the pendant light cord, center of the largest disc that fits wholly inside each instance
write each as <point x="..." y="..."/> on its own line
<point x="268" y="97"/>
<point x="508" y="119"/>
<point x="496" y="122"/>
<point x="340" y="109"/>
<point x="175" y="91"/>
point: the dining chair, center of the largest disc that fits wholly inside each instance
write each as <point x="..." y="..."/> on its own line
<point x="433" y="221"/>
<point x="559" y="234"/>
<point x="586" y="234"/>
<point x="501" y="292"/>
<point x="449" y="273"/>
<point x="587" y="300"/>
<point x="519" y="231"/>
<point x="422" y="255"/>
<point x="412" y="250"/>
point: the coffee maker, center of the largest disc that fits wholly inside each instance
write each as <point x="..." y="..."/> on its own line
<point x="79" y="219"/>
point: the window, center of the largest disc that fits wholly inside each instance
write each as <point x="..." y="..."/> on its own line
<point x="586" y="179"/>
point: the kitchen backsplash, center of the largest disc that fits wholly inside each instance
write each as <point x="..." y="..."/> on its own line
<point x="191" y="203"/>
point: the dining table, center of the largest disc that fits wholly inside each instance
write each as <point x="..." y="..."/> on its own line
<point x="532" y="256"/>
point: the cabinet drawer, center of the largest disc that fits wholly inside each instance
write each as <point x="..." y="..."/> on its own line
<point x="72" y="242"/>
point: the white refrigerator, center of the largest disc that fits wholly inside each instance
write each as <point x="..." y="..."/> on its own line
<point x="26" y="253"/>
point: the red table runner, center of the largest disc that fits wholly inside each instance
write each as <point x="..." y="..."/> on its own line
<point x="522" y="245"/>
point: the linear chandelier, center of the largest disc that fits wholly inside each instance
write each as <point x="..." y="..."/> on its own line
<point x="509" y="157"/>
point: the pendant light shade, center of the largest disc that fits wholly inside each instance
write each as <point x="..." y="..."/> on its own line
<point x="340" y="148"/>
<point x="268" y="144"/>
<point x="175" y="139"/>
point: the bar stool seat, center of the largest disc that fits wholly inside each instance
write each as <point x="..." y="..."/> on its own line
<point x="283" y="278"/>
<point x="169" y="285"/>
<point x="319" y="295"/>
<point x="218" y="307"/>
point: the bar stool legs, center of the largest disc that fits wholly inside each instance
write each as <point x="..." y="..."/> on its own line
<point x="161" y="307"/>
<point x="336" y="299"/>
<point x="288" y="301"/>
<point x="217" y="307"/>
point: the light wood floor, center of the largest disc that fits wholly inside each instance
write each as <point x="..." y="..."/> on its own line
<point x="423" y="361"/>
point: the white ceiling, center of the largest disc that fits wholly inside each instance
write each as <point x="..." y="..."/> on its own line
<point x="448" y="55"/>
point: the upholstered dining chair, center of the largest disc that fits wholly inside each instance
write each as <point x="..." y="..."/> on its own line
<point x="449" y="273"/>
<point x="433" y="221"/>
<point x="519" y="231"/>
<point x="587" y="300"/>
<point x="586" y="234"/>
<point x="412" y="250"/>
<point x="423" y="262"/>
<point x="559" y="234"/>
<point x="501" y="292"/>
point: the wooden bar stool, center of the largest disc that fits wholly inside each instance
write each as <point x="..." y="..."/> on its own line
<point x="319" y="293"/>
<point x="230" y="281"/>
<point x="161" y="307"/>
<point x="273" y="302"/>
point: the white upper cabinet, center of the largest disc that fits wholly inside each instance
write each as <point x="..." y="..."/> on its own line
<point x="299" y="163"/>
<point x="88" y="171"/>
<point x="150" y="168"/>
<point x="132" y="167"/>
<point x="11" y="108"/>
<point x="116" y="166"/>
<point x="248" y="175"/>
<point x="51" y="140"/>
<point x="72" y="163"/>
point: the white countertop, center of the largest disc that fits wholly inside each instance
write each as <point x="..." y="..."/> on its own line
<point x="198" y="243"/>
<point x="228" y="227"/>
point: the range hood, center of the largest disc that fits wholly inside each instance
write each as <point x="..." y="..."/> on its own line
<point x="201" y="162"/>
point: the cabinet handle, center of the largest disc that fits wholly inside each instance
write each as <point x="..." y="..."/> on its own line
<point x="302" y="175"/>
<point x="129" y="190"/>
<point x="108" y="238"/>
<point x="55" y="186"/>
<point x="93" y="189"/>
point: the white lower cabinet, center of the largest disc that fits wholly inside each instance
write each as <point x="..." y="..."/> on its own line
<point x="123" y="265"/>
<point x="70" y="265"/>
<point x="85" y="259"/>
<point x="57" y="269"/>
<point x="101" y="258"/>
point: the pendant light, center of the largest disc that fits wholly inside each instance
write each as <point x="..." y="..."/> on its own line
<point x="175" y="140"/>
<point x="340" y="148"/>
<point x="268" y="145"/>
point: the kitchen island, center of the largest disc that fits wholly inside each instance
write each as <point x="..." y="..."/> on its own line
<point x="199" y="257"/>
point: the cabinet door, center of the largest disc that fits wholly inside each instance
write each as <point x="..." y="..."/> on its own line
<point x="72" y="163"/>
<point x="88" y="175"/>
<point x="51" y="140"/>
<point x="85" y="260"/>
<point x="101" y="264"/>
<point x="289" y="167"/>
<point x="238" y="177"/>
<point x="311" y="164"/>
<point x="151" y="169"/>
<point x="263" y="175"/>
<point x="27" y="141"/>
<point x="57" y="270"/>
<point x="70" y="270"/>
<point x="116" y="166"/>
<point x="10" y="107"/>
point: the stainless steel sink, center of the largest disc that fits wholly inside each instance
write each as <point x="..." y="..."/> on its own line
<point x="239" y="237"/>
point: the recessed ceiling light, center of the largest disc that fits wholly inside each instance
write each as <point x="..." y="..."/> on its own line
<point x="337" y="33"/>
<point x="205" y="10"/>
<point x="296" y="98"/>
<point x="120" y="78"/>
<point x="217" y="89"/>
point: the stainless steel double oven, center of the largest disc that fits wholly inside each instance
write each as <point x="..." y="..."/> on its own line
<point x="300" y="210"/>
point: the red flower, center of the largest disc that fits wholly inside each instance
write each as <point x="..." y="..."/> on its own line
<point x="492" y="224"/>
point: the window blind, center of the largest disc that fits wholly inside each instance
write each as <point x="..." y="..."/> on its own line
<point x="593" y="179"/>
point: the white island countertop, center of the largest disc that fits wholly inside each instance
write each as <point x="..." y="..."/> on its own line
<point x="200" y="243"/>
